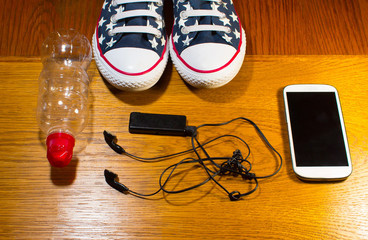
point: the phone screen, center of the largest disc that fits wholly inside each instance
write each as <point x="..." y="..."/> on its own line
<point x="316" y="129"/>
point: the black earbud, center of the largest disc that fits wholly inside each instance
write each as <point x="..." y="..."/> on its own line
<point x="111" y="177"/>
<point x="111" y="140"/>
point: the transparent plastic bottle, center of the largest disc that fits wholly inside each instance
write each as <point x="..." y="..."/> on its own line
<point x="62" y="110"/>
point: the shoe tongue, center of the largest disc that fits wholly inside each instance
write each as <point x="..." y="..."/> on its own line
<point x="136" y="21"/>
<point x="134" y="39"/>
<point x="202" y="5"/>
<point x="205" y="36"/>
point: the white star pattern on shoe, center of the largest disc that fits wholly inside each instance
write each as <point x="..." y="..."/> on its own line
<point x="214" y="6"/>
<point x="159" y="24"/>
<point x="101" y="39"/>
<point x="101" y="22"/>
<point x="119" y="10"/>
<point x="236" y="33"/>
<point x="163" y="41"/>
<point x="153" y="43"/>
<point x="182" y="22"/>
<point x="225" y="21"/>
<point x="227" y="38"/>
<point x="176" y="38"/>
<point x="110" y="26"/>
<point x="234" y="17"/>
<point x="111" y="43"/>
<point x="152" y="7"/>
<point x="225" y="5"/>
<point x="104" y="5"/>
<point x="188" y="7"/>
<point x="186" y="42"/>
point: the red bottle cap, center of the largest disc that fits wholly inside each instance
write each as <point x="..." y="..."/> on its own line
<point x="60" y="149"/>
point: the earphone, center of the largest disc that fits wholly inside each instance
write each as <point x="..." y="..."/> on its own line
<point x="233" y="165"/>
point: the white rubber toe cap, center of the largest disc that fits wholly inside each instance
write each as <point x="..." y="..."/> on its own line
<point x="208" y="56"/>
<point x="132" y="60"/>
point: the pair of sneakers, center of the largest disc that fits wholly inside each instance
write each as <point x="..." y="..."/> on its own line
<point x="131" y="48"/>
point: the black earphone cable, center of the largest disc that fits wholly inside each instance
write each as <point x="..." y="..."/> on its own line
<point x="232" y="165"/>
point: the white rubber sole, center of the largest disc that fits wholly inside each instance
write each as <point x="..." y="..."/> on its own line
<point x="128" y="82"/>
<point x="209" y="79"/>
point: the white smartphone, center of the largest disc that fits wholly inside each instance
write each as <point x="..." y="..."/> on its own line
<point x="318" y="143"/>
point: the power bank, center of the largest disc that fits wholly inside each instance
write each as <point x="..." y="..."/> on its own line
<point x="157" y="124"/>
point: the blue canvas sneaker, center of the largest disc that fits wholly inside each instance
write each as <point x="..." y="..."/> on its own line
<point x="207" y="44"/>
<point x="130" y="43"/>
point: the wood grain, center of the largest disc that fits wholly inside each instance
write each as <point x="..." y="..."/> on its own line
<point x="40" y="202"/>
<point x="272" y="26"/>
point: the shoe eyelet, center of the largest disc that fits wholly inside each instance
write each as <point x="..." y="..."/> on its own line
<point x="114" y="4"/>
<point x="184" y="30"/>
<point x="160" y="3"/>
<point x="223" y="15"/>
<point x="110" y="33"/>
<point x="112" y="19"/>
<point x="158" y="34"/>
<point x="228" y="30"/>
<point x="183" y="15"/>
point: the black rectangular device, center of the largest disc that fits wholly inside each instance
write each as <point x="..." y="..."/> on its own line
<point x="158" y="124"/>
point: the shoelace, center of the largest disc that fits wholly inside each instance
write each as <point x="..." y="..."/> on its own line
<point x="121" y="14"/>
<point x="214" y="12"/>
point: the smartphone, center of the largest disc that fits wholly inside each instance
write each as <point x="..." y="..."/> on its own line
<point x="318" y="143"/>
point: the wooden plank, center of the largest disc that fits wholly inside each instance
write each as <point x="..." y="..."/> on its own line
<point x="272" y="27"/>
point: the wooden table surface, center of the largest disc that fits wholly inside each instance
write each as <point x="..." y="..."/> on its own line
<point x="272" y="26"/>
<point x="40" y="202"/>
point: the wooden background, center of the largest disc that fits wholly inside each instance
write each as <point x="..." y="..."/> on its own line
<point x="272" y="26"/>
<point x="288" y="42"/>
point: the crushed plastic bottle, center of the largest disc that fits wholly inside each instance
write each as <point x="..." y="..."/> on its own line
<point x="62" y="110"/>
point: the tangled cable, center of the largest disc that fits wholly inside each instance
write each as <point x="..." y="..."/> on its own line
<point x="236" y="165"/>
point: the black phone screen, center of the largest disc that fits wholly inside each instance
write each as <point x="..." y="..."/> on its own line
<point x="316" y="129"/>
